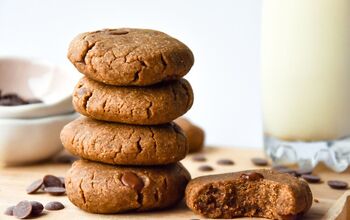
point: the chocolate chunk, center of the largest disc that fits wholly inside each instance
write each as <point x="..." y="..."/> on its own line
<point x="23" y="209"/>
<point x="337" y="184"/>
<point x="9" y="210"/>
<point x="55" y="191"/>
<point x="253" y="176"/>
<point x="311" y="178"/>
<point x="35" y="186"/>
<point x="34" y="101"/>
<point x="199" y="158"/>
<point x="287" y="170"/>
<point x="205" y="168"/>
<point x="132" y="180"/>
<point x="52" y="206"/>
<point x="118" y="32"/>
<point x="301" y="172"/>
<point x="225" y="162"/>
<point x="279" y="167"/>
<point x="316" y="200"/>
<point x="259" y="161"/>
<point x="52" y="181"/>
<point x="12" y="99"/>
<point x="64" y="158"/>
<point x="37" y="208"/>
<point x="63" y="181"/>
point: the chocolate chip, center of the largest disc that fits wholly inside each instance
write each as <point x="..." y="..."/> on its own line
<point x="132" y="180"/>
<point x="34" y="101"/>
<point x="205" y="168"/>
<point x="52" y="206"/>
<point x="35" y="186"/>
<point x="199" y="158"/>
<point x="69" y="159"/>
<point x="118" y="32"/>
<point x="9" y="210"/>
<point x="252" y="176"/>
<point x="311" y="178"/>
<point x="337" y="184"/>
<point x="63" y="181"/>
<point x="316" y="200"/>
<point x="301" y="172"/>
<point x="12" y="99"/>
<point x="55" y="191"/>
<point x="23" y="209"/>
<point x="225" y="162"/>
<point x="288" y="171"/>
<point x="37" y="208"/>
<point x="259" y="161"/>
<point x="279" y="167"/>
<point x="52" y="181"/>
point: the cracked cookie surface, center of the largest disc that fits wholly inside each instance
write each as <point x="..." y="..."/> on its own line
<point x="129" y="56"/>
<point x="156" y="104"/>
<point x="252" y="193"/>
<point x="116" y="143"/>
<point x="102" y="188"/>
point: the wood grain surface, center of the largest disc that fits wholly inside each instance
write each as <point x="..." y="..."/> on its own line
<point x="14" y="180"/>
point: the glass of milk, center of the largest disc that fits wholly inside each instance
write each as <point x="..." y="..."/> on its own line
<point x="306" y="82"/>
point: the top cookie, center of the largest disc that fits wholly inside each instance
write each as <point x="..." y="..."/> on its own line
<point x="128" y="56"/>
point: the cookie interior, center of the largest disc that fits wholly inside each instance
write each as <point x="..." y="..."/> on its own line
<point x="229" y="199"/>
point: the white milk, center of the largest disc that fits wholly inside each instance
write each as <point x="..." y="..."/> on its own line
<point x="306" y="69"/>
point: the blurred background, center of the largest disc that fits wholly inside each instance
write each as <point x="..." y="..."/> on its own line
<point x="224" y="36"/>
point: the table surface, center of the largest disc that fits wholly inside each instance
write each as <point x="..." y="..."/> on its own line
<point x="14" y="180"/>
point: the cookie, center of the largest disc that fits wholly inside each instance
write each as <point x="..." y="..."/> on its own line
<point x="195" y="135"/>
<point x="102" y="188"/>
<point x="252" y="193"/>
<point x="129" y="56"/>
<point x="157" y="104"/>
<point x="123" y="144"/>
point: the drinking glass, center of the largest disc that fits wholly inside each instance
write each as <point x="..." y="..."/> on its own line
<point x="305" y="50"/>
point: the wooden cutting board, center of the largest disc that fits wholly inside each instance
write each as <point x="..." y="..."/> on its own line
<point x="14" y="180"/>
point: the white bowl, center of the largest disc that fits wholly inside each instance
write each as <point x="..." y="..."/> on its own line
<point x="36" y="79"/>
<point x="25" y="141"/>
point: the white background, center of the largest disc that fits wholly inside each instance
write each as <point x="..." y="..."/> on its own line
<point x="224" y="36"/>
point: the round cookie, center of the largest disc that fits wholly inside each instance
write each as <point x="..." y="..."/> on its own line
<point x="195" y="135"/>
<point x="130" y="56"/>
<point x="123" y="144"/>
<point x="156" y="104"/>
<point x="102" y="188"/>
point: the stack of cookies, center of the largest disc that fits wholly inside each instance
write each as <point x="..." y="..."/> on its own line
<point x="131" y="92"/>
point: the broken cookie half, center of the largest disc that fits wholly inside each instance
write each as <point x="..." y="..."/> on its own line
<point x="253" y="193"/>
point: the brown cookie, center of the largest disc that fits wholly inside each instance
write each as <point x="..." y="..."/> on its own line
<point x="124" y="144"/>
<point x="195" y="135"/>
<point x="151" y="105"/>
<point x="130" y="56"/>
<point x="252" y="193"/>
<point x="102" y="188"/>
